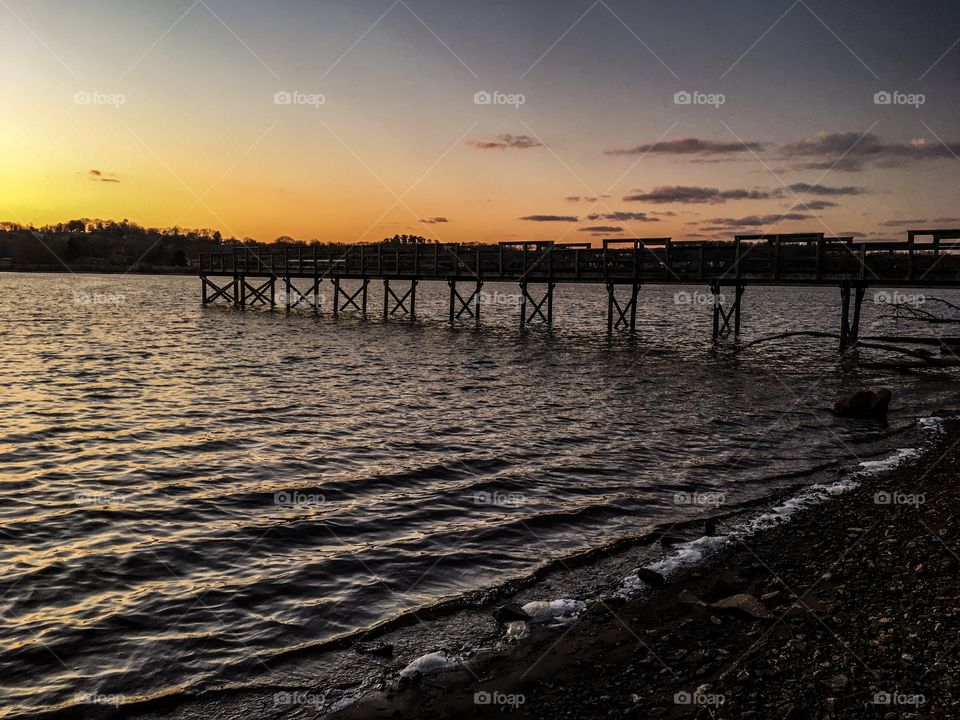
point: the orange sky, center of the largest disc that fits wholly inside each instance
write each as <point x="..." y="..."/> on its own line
<point x="175" y="106"/>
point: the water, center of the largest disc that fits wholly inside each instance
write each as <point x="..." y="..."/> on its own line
<point x="188" y="493"/>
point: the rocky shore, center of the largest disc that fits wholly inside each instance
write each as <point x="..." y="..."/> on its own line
<point x="850" y="610"/>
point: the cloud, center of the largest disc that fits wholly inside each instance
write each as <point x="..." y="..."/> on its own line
<point x="945" y="220"/>
<point x="852" y="152"/>
<point x="826" y="190"/>
<point x="506" y="141"/>
<point x="622" y="216"/>
<point x="578" y="198"/>
<point x="689" y="146"/>
<point x="550" y="218"/>
<point x="435" y="220"/>
<point x="818" y="204"/>
<point x="601" y="229"/>
<point x="902" y="223"/>
<point x="692" y="195"/>
<point x="99" y="176"/>
<point x="852" y="233"/>
<point x="726" y="223"/>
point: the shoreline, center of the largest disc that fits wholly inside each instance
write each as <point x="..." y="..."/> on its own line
<point x="636" y="656"/>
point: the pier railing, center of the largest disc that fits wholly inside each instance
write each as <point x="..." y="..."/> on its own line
<point x="776" y="259"/>
<point x="247" y="277"/>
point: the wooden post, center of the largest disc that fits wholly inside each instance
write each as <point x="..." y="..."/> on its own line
<point x="203" y="288"/>
<point x="550" y="286"/>
<point x="336" y="295"/>
<point x="453" y="293"/>
<point x="366" y="282"/>
<point x="910" y="242"/>
<point x="857" y="302"/>
<point x="633" y="308"/>
<point x="523" y="299"/>
<point x="413" y="299"/>
<point x="715" y="291"/>
<point x="736" y="311"/>
<point x="386" y="297"/>
<point x="844" y="315"/>
<point x="610" y="291"/>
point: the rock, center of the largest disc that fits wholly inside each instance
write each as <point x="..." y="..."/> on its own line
<point x="379" y="650"/>
<point x="709" y="528"/>
<point x="838" y="682"/>
<point x="508" y="613"/>
<point x="650" y="577"/>
<point x="689" y="598"/>
<point x="745" y="604"/>
<point x="671" y="540"/>
<point x="864" y="404"/>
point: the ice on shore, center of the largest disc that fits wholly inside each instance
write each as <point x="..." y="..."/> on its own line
<point x="694" y="551"/>
<point x="429" y="663"/>
<point x="565" y="609"/>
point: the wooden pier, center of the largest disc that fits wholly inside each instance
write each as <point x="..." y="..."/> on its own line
<point x="249" y="277"/>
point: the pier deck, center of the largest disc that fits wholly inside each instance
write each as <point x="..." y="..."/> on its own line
<point x="249" y="277"/>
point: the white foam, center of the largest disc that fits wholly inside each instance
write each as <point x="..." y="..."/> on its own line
<point x="563" y="610"/>
<point x="933" y="424"/>
<point x="692" y="552"/>
<point x="430" y="663"/>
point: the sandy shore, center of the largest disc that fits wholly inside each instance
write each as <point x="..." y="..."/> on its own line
<point x="852" y="612"/>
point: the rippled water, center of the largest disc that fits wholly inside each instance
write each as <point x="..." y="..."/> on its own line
<point x="187" y="491"/>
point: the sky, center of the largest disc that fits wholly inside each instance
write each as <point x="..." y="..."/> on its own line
<point x="483" y="120"/>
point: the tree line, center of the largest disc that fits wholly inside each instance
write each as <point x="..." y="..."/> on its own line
<point x="122" y="246"/>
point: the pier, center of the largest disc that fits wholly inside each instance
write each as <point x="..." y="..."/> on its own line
<point x="250" y="277"/>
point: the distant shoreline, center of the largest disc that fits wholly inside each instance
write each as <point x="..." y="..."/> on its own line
<point x="96" y="271"/>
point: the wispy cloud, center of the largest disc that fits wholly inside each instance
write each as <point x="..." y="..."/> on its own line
<point x="693" y="195"/>
<point x="550" y="218"/>
<point x="506" y="141"/>
<point x="751" y="221"/>
<point x="434" y="220"/>
<point x="690" y="146"/>
<point x="100" y="176"/>
<point x="826" y="190"/>
<point x="601" y="229"/>
<point x="853" y="152"/>
<point x="623" y="216"/>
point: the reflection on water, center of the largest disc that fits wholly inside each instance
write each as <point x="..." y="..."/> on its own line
<point x="186" y="490"/>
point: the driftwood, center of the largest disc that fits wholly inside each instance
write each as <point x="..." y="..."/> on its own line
<point x="922" y="358"/>
<point x="922" y="314"/>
